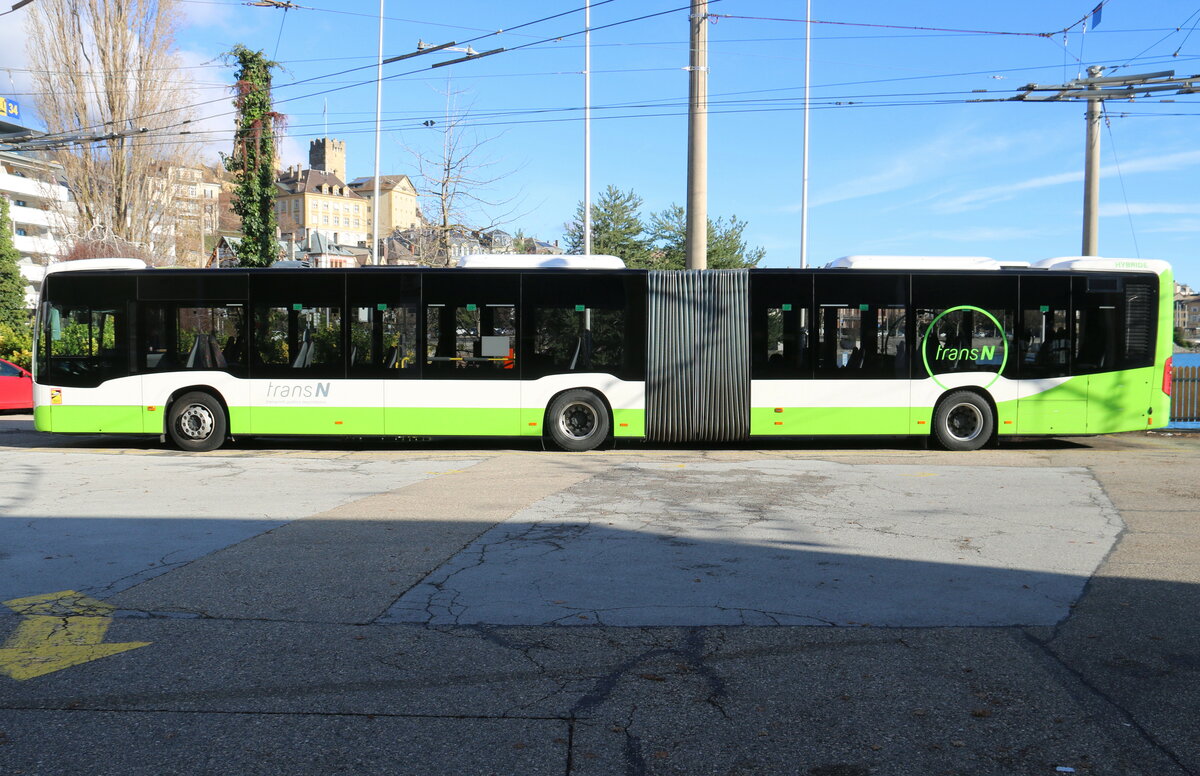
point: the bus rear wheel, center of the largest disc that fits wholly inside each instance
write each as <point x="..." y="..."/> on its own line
<point x="578" y="421"/>
<point x="197" y="422"/>
<point x="963" y="421"/>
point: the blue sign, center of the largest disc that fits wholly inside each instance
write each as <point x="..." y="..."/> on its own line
<point x="12" y="110"/>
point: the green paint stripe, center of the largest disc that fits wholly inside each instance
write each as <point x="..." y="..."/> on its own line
<point x="635" y="421"/>
<point x="42" y="420"/>
<point x="374" y="421"/>
<point x="315" y="420"/>
<point x="82" y="419"/>
<point x="802" y="421"/>
<point x="531" y="422"/>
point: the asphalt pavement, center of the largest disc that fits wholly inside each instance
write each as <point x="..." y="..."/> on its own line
<point x="299" y="607"/>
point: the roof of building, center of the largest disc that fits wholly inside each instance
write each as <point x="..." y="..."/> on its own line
<point x="385" y="182"/>
<point x="311" y="181"/>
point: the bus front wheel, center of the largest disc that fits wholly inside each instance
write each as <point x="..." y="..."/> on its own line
<point x="963" y="421"/>
<point x="197" y="422"/>
<point x="578" y="421"/>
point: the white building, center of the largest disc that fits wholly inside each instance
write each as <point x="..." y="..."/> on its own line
<point x="40" y="203"/>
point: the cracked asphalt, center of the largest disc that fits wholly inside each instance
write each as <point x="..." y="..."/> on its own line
<point x="873" y="608"/>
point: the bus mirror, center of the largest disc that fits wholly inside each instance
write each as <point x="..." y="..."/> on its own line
<point x="55" y="324"/>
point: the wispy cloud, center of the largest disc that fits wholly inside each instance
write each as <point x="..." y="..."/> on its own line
<point x="1120" y="210"/>
<point x="931" y="160"/>
<point x="992" y="194"/>
<point x="975" y="235"/>
<point x="1183" y="226"/>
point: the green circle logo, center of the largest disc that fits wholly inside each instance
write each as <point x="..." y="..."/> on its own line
<point x="933" y="323"/>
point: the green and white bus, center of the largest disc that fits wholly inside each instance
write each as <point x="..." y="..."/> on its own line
<point x="582" y="352"/>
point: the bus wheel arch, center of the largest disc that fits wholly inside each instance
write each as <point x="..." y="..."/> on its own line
<point x="196" y="419"/>
<point x="578" y="419"/>
<point x="964" y="419"/>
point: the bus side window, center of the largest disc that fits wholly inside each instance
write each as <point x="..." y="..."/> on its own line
<point x="780" y="317"/>
<point x="862" y="326"/>
<point x="1114" y="323"/>
<point x="209" y="337"/>
<point x="1043" y="336"/>
<point x="298" y="336"/>
<point x="383" y="340"/>
<point x="477" y="338"/>
<point x="787" y="340"/>
<point x="574" y="323"/>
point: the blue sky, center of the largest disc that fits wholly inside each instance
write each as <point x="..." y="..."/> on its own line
<point x="901" y="162"/>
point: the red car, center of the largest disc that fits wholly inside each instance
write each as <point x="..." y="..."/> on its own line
<point x="16" y="387"/>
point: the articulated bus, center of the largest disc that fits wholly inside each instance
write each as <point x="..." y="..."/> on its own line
<point x="582" y="352"/>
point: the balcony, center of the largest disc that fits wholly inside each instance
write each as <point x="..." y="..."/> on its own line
<point x="37" y="246"/>
<point x="30" y="188"/>
<point x="30" y="215"/>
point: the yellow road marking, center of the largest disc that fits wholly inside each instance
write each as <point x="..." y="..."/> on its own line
<point x="59" y="630"/>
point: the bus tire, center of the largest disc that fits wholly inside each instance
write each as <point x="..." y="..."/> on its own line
<point x="196" y="422"/>
<point x="578" y="421"/>
<point x="963" y="421"/>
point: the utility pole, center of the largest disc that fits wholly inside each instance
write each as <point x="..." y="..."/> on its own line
<point x="1094" y="89"/>
<point x="1091" y="172"/>
<point x="378" y="118"/>
<point x="804" y="162"/>
<point x="697" y="181"/>
<point x="587" y="129"/>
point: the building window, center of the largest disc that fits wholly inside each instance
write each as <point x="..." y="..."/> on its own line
<point x="20" y="232"/>
<point x="20" y="203"/>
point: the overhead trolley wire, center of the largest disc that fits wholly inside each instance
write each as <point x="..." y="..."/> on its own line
<point x="100" y="126"/>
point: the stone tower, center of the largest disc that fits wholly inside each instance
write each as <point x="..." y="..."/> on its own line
<point x="329" y="155"/>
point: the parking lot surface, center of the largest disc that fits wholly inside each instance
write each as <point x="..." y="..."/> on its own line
<point x="810" y="608"/>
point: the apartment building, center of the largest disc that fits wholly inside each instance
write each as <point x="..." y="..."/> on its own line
<point x="318" y="199"/>
<point x="397" y="201"/>
<point x="41" y="203"/>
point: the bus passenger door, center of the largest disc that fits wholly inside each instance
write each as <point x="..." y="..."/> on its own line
<point x="1049" y="400"/>
<point x="470" y="378"/>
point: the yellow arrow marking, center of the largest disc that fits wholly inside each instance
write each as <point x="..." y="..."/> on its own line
<point x="59" y="630"/>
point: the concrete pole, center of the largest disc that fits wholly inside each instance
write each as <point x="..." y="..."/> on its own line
<point x="587" y="130"/>
<point x="378" y="116"/>
<point x="804" y="163"/>
<point x="697" y="182"/>
<point x="1091" y="175"/>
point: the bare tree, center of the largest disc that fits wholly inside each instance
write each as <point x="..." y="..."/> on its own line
<point x="110" y="68"/>
<point x="455" y="184"/>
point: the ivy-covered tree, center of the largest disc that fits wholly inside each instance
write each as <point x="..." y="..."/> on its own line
<point x="15" y="332"/>
<point x="12" y="285"/>
<point x="617" y="228"/>
<point x="253" y="159"/>
<point x="727" y="249"/>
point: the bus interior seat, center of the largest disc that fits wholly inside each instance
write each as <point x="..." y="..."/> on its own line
<point x="232" y="350"/>
<point x="198" y="356"/>
<point x="206" y="353"/>
<point x="304" y="357"/>
<point x="214" y="349"/>
<point x="393" y="359"/>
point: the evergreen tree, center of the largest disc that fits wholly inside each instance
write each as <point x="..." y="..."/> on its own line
<point x="727" y="248"/>
<point x="12" y="285"/>
<point x="617" y="228"/>
<point x="253" y="158"/>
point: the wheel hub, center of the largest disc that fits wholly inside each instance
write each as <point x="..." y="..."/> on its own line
<point x="964" y="422"/>
<point x="196" y="422"/>
<point x="578" y="420"/>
